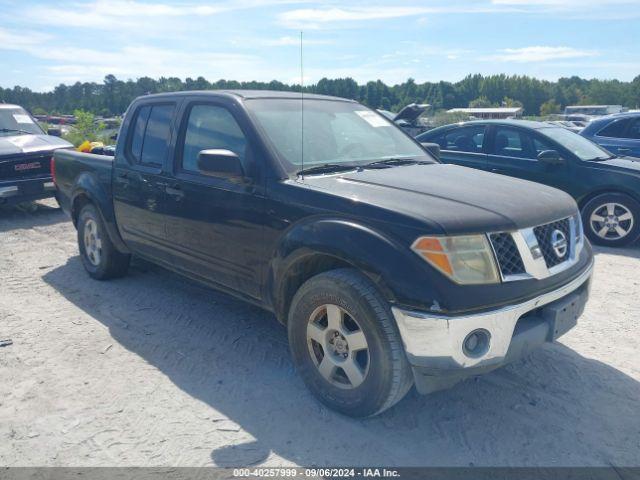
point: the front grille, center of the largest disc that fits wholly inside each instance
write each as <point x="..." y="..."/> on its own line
<point x="544" y="235"/>
<point x="25" y="166"/>
<point x="507" y="254"/>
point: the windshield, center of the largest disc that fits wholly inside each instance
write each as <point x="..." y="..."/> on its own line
<point x="337" y="133"/>
<point x="581" y="147"/>
<point x="16" y="121"/>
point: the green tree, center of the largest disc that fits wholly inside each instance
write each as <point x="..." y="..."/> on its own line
<point x="481" y="102"/>
<point x="549" y="108"/>
<point x="85" y="128"/>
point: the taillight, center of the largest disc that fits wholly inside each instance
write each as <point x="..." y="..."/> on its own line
<point x="53" y="169"/>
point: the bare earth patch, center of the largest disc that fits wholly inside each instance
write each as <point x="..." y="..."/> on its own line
<point x="154" y="370"/>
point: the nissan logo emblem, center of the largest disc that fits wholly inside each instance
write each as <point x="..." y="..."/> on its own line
<point x="559" y="243"/>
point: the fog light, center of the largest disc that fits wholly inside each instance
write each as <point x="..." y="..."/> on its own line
<point x="476" y="343"/>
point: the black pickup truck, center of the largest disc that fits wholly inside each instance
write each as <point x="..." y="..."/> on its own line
<point x="387" y="267"/>
<point x="25" y="157"/>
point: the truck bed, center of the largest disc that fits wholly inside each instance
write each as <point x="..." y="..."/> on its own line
<point x="76" y="170"/>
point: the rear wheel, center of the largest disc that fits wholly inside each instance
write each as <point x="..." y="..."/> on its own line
<point x="345" y="344"/>
<point x="99" y="256"/>
<point x="612" y="219"/>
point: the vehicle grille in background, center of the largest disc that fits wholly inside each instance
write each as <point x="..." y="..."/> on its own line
<point x="25" y="166"/>
<point x="507" y="254"/>
<point x="543" y="235"/>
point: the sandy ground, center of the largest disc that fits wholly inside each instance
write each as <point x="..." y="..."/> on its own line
<point x="153" y="370"/>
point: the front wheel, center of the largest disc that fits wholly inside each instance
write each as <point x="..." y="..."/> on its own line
<point x="611" y="219"/>
<point x="345" y="344"/>
<point x="99" y="256"/>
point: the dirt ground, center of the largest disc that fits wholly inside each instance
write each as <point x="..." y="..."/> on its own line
<point x="154" y="370"/>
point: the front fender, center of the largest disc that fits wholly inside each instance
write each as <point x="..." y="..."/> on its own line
<point x="390" y="264"/>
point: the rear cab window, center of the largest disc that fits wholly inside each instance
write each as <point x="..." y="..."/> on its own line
<point x="150" y="135"/>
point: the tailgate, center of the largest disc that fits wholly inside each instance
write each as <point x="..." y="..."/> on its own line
<point x="25" y="166"/>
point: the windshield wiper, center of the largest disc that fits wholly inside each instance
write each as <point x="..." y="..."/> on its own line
<point x="327" y="168"/>
<point x="392" y="162"/>
<point x="15" y="130"/>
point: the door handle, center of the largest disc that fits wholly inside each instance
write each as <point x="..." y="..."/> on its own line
<point x="624" y="151"/>
<point x="123" y="174"/>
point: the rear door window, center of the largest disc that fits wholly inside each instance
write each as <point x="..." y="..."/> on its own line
<point x="615" y="129"/>
<point x="511" y="142"/>
<point x="151" y="135"/>
<point x="633" y="131"/>
<point x="466" y="139"/>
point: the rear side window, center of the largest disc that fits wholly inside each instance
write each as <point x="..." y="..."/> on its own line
<point x="614" y="129"/>
<point x="634" y="130"/>
<point x="512" y="143"/>
<point x="467" y="139"/>
<point x="151" y="135"/>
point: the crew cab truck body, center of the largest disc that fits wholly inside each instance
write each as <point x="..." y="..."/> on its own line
<point x="25" y="157"/>
<point x="387" y="267"/>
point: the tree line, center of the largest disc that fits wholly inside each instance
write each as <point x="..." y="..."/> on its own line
<point x="112" y="96"/>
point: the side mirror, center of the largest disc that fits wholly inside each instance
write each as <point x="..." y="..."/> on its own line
<point x="220" y="163"/>
<point x="54" y="132"/>
<point x="552" y="157"/>
<point x="114" y="136"/>
<point x="432" y="148"/>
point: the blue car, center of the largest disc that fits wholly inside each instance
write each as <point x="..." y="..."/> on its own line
<point x="619" y="133"/>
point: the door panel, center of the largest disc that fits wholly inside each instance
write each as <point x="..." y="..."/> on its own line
<point x="514" y="152"/>
<point x="138" y="183"/>
<point x="215" y="225"/>
<point x="138" y="197"/>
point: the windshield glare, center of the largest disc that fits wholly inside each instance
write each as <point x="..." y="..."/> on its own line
<point x="581" y="147"/>
<point x="334" y="132"/>
<point x="16" y="119"/>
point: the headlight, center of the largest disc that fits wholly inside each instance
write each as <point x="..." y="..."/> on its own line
<point x="466" y="259"/>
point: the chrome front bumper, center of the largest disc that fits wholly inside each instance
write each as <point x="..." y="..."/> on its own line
<point x="436" y="342"/>
<point x="13" y="190"/>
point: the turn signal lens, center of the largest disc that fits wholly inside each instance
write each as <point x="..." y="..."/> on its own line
<point x="466" y="259"/>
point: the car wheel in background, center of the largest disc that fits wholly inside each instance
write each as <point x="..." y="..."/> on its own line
<point x="345" y="344"/>
<point x="99" y="256"/>
<point x="611" y="219"/>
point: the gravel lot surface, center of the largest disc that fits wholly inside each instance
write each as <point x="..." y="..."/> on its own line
<point x="154" y="370"/>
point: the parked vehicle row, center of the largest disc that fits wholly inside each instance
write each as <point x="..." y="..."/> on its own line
<point x="605" y="186"/>
<point x="25" y="157"/>
<point x="620" y="134"/>
<point x="388" y="267"/>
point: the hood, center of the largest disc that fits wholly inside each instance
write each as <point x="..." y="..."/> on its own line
<point x="451" y="198"/>
<point x="17" y="144"/>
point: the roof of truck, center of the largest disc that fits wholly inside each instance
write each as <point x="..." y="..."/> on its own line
<point x="250" y="94"/>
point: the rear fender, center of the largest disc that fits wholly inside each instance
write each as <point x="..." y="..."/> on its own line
<point x="88" y="189"/>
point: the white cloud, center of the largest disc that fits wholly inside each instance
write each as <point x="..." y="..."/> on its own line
<point x="539" y="54"/>
<point x="120" y="14"/>
<point x="287" y="41"/>
<point x="313" y="17"/>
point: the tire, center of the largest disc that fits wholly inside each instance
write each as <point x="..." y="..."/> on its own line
<point x="612" y="219"/>
<point x="347" y="300"/>
<point x="99" y="256"/>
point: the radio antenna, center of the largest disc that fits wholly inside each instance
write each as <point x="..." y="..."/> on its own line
<point x="301" y="108"/>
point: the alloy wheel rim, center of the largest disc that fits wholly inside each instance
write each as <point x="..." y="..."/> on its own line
<point x="338" y="346"/>
<point x="611" y="221"/>
<point x="92" y="242"/>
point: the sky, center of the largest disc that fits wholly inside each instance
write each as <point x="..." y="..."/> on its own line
<point x="45" y="43"/>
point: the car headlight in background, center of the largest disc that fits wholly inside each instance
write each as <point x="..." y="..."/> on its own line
<point x="465" y="259"/>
